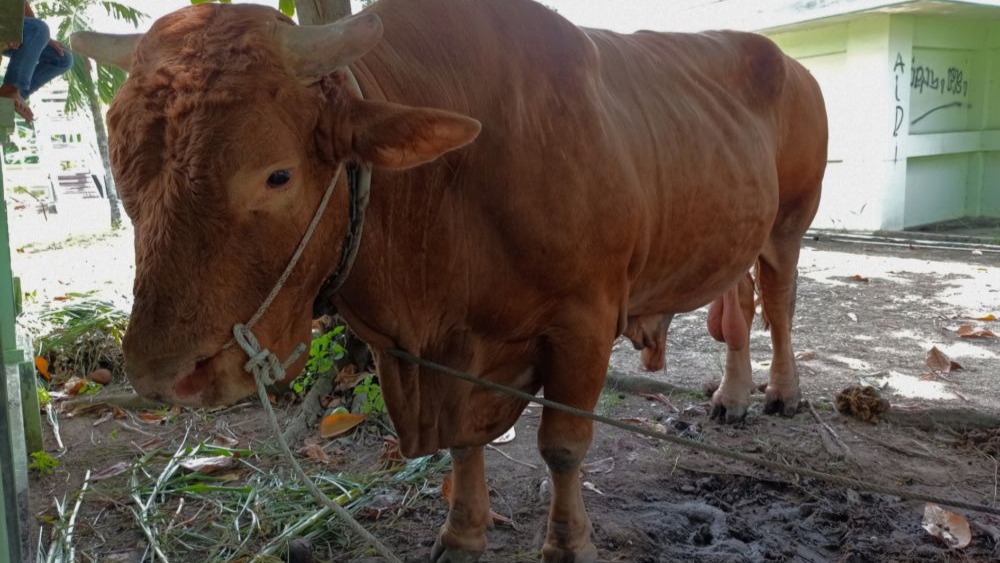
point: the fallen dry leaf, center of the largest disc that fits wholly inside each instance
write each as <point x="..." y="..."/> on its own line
<point x="207" y="465"/>
<point x="228" y="476"/>
<point x="591" y="487"/>
<point x="150" y="417"/>
<point x="695" y="410"/>
<point x="73" y="385"/>
<point x="806" y="356"/>
<point x="348" y="378"/>
<point x="500" y="519"/>
<point x="859" y="278"/>
<point x="111" y="471"/>
<point x="224" y="441"/>
<point x="105" y="416"/>
<point x="507" y="437"/>
<point x="967" y="331"/>
<point x="338" y="423"/>
<point x="446" y="488"/>
<point x="939" y="362"/>
<point x="947" y="526"/>
<point x="42" y="365"/>
<point x="316" y="452"/>
<point x="980" y="334"/>
<point x="150" y="445"/>
<point x="390" y="452"/>
<point x="987" y="318"/>
<point x="660" y="398"/>
<point x="606" y="465"/>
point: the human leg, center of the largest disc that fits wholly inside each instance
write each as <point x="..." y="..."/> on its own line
<point x="23" y="62"/>
<point x="50" y="65"/>
<point x="24" y="59"/>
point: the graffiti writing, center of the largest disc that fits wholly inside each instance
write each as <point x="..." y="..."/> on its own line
<point x="953" y="81"/>
<point x="898" y="70"/>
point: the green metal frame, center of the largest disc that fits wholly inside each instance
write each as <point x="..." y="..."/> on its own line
<point x="20" y="422"/>
<point x="13" y="454"/>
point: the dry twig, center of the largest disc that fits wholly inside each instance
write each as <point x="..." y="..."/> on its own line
<point x="844" y="451"/>
<point x="508" y="456"/>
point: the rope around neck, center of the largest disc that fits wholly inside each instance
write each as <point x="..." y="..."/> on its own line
<point x="268" y="369"/>
<point x="298" y="251"/>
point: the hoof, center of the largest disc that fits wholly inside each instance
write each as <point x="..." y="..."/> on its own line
<point x="779" y="403"/>
<point x="442" y="554"/>
<point x="727" y="411"/>
<point x="586" y="554"/>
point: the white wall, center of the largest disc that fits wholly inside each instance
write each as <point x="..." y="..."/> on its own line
<point x="914" y="108"/>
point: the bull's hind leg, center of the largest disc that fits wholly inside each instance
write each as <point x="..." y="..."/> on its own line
<point x="729" y="320"/>
<point x="574" y="375"/>
<point x="463" y="536"/>
<point x="777" y="277"/>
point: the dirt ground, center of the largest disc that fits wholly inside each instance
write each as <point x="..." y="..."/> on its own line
<point x="867" y="314"/>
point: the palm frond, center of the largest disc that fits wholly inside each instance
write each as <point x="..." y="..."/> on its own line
<point x="80" y="83"/>
<point x="124" y="13"/>
<point x="109" y="80"/>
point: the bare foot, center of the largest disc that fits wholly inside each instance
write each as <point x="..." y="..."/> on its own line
<point x="20" y="106"/>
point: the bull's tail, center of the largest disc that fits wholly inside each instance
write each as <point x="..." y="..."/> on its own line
<point x="765" y="322"/>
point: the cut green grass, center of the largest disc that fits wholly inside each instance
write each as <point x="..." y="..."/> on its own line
<point x="250" y="510"/>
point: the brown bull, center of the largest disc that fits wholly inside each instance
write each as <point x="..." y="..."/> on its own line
<point x="613" y="176"/>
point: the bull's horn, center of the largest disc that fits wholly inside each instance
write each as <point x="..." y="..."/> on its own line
<point x="106" y="48"/>
<point x="318" y="50"/>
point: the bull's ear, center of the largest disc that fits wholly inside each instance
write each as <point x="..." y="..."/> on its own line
<point x="397" y="137"/>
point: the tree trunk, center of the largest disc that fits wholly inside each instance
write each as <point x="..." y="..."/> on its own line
<point x="102" y="146"/>
<point x="317" y="12"/>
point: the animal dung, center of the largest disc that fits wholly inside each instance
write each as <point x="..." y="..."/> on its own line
<point x="863" y="403"/>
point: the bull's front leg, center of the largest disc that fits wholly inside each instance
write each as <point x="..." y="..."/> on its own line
<point x="563" y="441"/>
<point x="463" y="536"/>
<point x="574" y="375"/>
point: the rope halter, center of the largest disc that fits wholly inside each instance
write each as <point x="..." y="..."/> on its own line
<point x="263" y="364"/>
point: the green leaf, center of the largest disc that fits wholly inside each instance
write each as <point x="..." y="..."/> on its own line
<point x="287" y="7"/>
<point x="124" y="13"/>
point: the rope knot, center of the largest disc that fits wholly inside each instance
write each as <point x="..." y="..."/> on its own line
<point x="263" y="364"/>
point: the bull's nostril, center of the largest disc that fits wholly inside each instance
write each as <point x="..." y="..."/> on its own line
<point x="201" y="361"/>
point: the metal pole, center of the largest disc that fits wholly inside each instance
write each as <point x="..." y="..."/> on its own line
<point x="12" y="454"/>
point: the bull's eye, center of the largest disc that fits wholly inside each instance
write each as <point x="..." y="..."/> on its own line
<point x="278" y="178"/>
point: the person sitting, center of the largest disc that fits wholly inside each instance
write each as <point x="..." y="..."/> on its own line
<point x="34" y="62"/>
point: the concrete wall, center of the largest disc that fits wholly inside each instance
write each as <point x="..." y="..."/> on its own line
<point x="914" y="106"/>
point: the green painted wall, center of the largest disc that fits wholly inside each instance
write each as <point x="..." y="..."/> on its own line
<point x="914" y="106"/>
